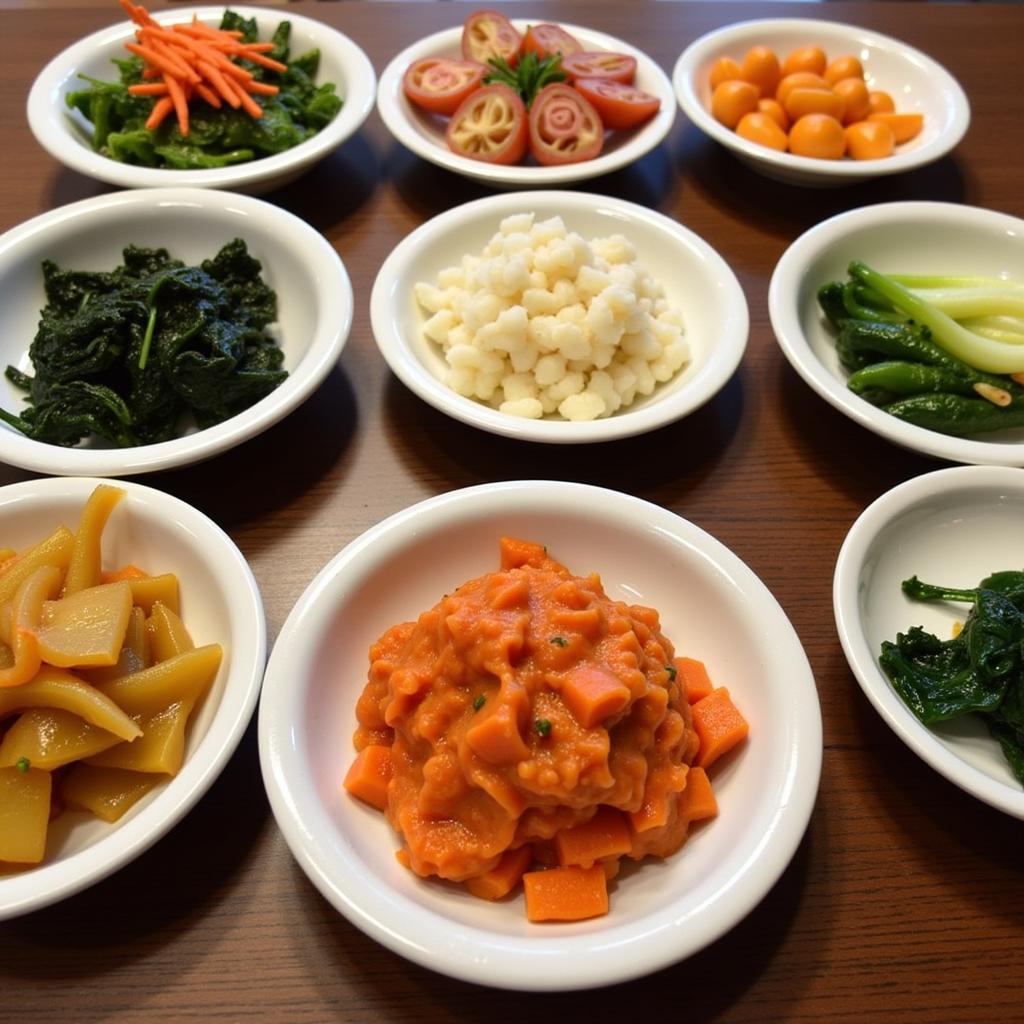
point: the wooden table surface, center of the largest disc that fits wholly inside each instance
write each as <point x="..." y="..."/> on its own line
<point x="905" y="900"/>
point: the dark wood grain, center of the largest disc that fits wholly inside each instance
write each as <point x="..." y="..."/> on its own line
<point x="905" y="900"/>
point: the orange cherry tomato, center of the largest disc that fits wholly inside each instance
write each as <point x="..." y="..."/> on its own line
<point x="869" y="140"/>
<point x="762" y="129"/>
<point x="439" y="84"/>
<point x="904" y="126"/>
<point x="761" y="67"/>
<point x="880" y="102"/>
<point x="600" y="64"/>
<point x="805" y="79"/>
<point x="805" y="58"/>
<point x="774" y="109"/>
<point x="854" y="92"/>
<point x="802" y="101"/>
<point x="817" y="135"/>
<point x="731" y="100"/>
<point x="620" y="106"/>
<point x="487" y="34"/>
<point x="724" y="69"/>
<point x="490" y="125"/>
<point x="564" y="127"/>
<point x="546" y="40"/>
<point x="843" y="67"/>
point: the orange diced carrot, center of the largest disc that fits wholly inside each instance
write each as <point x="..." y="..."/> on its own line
<point x="504" y="876"/>
<point x="695" y="679"/>
<point x="566" y="894"/>
<point x="719" y="725"/>
<point x="605" y="835"/>
<point x="369" y="775"/>
<point x="496" y="739"/>
<point x="593" y="694"/>
<point x="698" y="799"/>
<point x="126" y="572"/>
<point x="516" y="553"/>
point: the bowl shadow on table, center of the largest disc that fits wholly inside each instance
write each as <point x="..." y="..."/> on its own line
<point x="162" y="894"/>
<point x="428" y="190"/>
<point x="712" y="980"/>
<point x="433" y="445"/>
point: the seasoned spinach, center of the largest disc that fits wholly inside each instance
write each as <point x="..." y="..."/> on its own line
<point x="125" y="354"/>
<point x="217" y="137"/>
<point x="981" y="670"/>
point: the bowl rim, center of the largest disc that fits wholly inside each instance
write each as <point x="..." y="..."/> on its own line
<point x="883" y="511"/>
<point x="647" y="138"/>
<point x="549" y="963"/>
<point x="837" y="171"/>
<point x="49" y="125"/>
<point x="49" y="883"/>
<point x="783" y="290"/>
<point x="334" y="292"/>
<point x="722" y="362"/>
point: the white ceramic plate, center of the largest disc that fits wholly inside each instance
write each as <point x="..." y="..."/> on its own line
<point x="423" y="133"/>
<point x="953" y="527"/>
<point x="220" y="603"/>
<point x="712" y="607"/>
<point x="909" y="238"/>
<point x="313" y="290"/>
<point x="916" y="82"/>
<point x="697" y="282"/>
<point x="67" y="136"/>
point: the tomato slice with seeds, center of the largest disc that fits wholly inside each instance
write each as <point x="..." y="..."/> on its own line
<point x="546" y="40"/>
<point x="487" y="34"/>
<point x="620" y="106"/>
<point x="600" y="64"/>
<point x="440" y="84"/>
<point x="490" y="125"/>
<point x="564" y="126"/>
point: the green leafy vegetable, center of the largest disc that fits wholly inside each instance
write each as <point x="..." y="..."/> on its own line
<point x="125" y="354"/>
<point x="529" y="76"/>
<point x="218" y="137"/>
<point x="981" y="670"/>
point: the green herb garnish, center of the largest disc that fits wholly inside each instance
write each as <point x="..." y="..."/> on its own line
<point x="529" y="76"/>
<point x="478" y="702"/>
<point x="542" y="727"/>
<point x="560" y="641"/>
<point x="672" y="673"/>
<point x="22" y="764"/>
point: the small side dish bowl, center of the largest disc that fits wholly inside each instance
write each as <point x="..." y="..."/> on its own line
<point x="916" y="82"/>
<point x="953" y="528"/>
<point x="67" y="137"/>
<point x="423" y="133"/>
<point x="908" y="238"/>
<point x="697" y="282"/>
<point x="711" y="607"/>
<point x="220" y="603"/>
<point x="313" y="291"/>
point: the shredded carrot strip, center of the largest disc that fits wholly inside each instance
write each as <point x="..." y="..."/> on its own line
<point x="180" y="103"/>
<point x="209" y="95"/>
<point x="260" y="88"/>
<point x="152" y="89"/>
<point x="217" y="80"/>
<point x="161" y="109"/>
<point x="249" y="105"/>
<point x="258" y="58"/>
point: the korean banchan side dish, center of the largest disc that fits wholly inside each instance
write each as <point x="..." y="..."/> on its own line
<point x="98" y="680"/>
<point x="528" y="728"/>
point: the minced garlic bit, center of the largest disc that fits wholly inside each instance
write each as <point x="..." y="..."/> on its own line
<point x="545" y="322"/>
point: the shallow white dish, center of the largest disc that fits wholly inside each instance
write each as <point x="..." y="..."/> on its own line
<point x="423" y="133"/>
<point x="917" y="83"/>
<point x="909" y="238"/>
<point x="220" y="603"/>
<point x="712" y="607"/>
<point x="313" y="291"/>
<point x="67" y="136"/>
<point x="697" y="282"/>
<point x="952" y="527"/>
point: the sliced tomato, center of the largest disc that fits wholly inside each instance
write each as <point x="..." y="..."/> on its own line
<point x="439" y="84"/>
<point x="490" y="125"/>
<point x="488" y="34"/>
<point x="600" y="64"/>
<point x="564" y="126"/>
<point x="546" y="40"/>
<point x="620" y="106"/>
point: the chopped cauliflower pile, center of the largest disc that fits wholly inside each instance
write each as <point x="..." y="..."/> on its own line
<point x="546" y="323"/>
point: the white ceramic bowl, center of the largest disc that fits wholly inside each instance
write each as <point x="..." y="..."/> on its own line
<point x="712" y="607"/>
<point x="909" y="238"/>
<point x="953" y="528"/>
<point x="697" y="281"/>
<point x="916" y="82"/>
<point x="423" y="133"/>
<point x="67" y="136"/>
<point x="220" y="603"/>
<point x="313" y="290"/>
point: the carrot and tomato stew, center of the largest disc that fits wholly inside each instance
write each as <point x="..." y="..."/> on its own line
<point x="529" y="729"/>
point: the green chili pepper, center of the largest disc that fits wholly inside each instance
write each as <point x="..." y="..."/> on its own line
<point x="894" y="378"/>
<point x="957" y="415"/>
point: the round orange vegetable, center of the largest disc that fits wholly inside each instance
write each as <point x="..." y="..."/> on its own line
<point x="760" y="67"/>
<point x="762" y="129"/>
<point x="855" y="98"/>
<point x="817" y="135"/>
<point x="904" y="126"/>
<point x="870" y="140"/>
<point x="799" y="79"/>
<point x="801" y="101"/>
<point x="773" y="108"/>
<point x="843" y="67"/>
<point x="731" y="100"/>
<point x="880" y="102"/>
<point x="725" y="69"/>
<point x="805" y="58"/>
